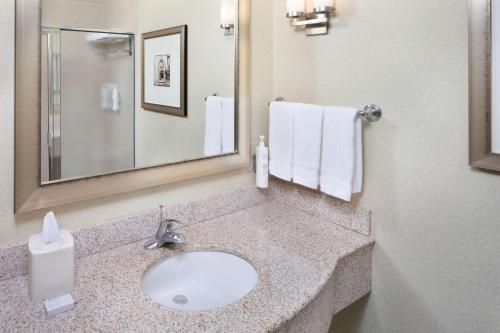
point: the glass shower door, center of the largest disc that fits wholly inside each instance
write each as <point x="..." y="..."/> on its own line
<point x="96" y="123"/>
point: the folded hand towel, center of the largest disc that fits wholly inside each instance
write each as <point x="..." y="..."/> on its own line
<point x="281" y="139"/>
<point x="115" y="99"/>
<point x="110" y="97"/>
<point x="228" y="128"/>
<point x="308" y="123"/>
<point x="213" y="126"/>
<point x="341" y="162"/>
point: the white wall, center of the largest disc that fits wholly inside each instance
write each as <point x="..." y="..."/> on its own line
<point x="437" y="222"/>
<point x="15" y="229"/>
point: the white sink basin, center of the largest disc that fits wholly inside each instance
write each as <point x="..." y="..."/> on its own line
<point x="199" y="280"/>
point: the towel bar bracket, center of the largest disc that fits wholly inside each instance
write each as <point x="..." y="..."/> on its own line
<point x="371" y="112"/>
<point x="214" y="95"/>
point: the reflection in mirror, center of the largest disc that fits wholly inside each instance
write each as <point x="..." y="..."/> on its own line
<point x="128" y="84"/>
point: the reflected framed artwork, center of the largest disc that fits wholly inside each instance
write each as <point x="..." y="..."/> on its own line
<point x="164" y="71"/>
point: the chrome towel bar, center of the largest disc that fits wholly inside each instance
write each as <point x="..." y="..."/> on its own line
<point x="371" y="112"/>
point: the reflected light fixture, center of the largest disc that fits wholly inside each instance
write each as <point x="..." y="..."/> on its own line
<point x="227" y="16"/>
<point x="313" y="15"/>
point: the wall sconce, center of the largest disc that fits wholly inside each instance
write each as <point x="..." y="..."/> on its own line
<point x="227" y="16"/>
<point x="316" y="20"/>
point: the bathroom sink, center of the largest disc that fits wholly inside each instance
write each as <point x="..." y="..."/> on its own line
<point x="199" y="280"/>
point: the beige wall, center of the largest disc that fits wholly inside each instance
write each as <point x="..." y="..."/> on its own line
<point x="261" y="67"/>
<point x="15" y="229"/>
<point x="73" y="14"/>
<point x="437" y="222"/>
<point x="110" y="14"/>
<point x="121" y="14"/>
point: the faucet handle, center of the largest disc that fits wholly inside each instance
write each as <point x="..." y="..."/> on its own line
<point x="166" y="227"/>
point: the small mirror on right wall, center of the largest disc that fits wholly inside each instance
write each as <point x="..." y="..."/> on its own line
<point x="484" y="84"/>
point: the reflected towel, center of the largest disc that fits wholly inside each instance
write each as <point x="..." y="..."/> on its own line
<point x="213" y="126"/>
<point x="110" y="97"/>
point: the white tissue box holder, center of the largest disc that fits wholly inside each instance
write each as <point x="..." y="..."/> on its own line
<point x="51" y="268"/>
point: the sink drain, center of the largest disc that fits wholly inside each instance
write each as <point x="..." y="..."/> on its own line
<point x="180" y="299"/>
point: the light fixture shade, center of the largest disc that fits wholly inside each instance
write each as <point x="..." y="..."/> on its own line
<point x="227" y="12"/>
<point x="295" y="6"/>
<point x="322" y="3"/>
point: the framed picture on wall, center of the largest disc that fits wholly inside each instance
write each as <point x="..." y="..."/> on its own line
<point x="164" y="71"/>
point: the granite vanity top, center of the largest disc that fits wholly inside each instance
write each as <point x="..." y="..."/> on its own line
<point x="295" y="254"/>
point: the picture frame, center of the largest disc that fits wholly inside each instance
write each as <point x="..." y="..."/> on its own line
<point x="481" y="89"/>
<point x="164" y="71"/>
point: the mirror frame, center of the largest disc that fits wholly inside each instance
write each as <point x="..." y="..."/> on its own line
<point x="30" y="195"/>
<point x="480" y="153"/>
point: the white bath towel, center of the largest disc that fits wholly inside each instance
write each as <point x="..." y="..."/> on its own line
<point x="341" y="161"/>
<point x="213" y="126"/>
<point x="228" y="128"/>
<point x="281" y="139"/>
<point x="308" y="126"/>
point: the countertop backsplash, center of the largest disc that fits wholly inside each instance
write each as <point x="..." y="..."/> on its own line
<point x="129" y="229"/>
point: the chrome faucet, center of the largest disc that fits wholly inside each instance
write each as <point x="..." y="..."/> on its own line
<point x="165" y="235"/>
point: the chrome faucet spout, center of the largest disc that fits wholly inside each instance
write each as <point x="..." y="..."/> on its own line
<point x="165" y="234"/>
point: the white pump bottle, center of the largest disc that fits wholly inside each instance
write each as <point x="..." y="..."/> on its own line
<point x="262" y="164"/>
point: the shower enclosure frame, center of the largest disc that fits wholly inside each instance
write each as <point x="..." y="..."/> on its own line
<point x="53" y="106"/>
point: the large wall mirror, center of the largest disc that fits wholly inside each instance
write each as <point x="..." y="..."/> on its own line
<point x="125" y="84"/>
<point x="484" y="83"/>
<point x="112" y="87"/>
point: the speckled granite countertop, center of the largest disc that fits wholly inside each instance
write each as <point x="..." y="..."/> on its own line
<point x="294" y="253"/>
